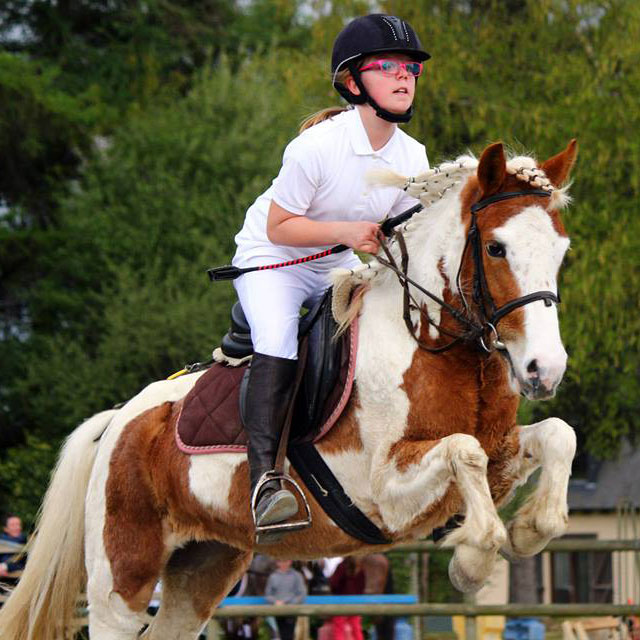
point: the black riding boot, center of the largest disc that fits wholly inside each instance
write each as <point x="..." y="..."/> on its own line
<point x="268" y="397"/>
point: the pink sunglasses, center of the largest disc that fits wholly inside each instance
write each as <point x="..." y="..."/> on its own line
<point x="392" y="67"/>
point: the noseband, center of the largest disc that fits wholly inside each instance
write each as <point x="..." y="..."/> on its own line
<point x="490" y="314"/>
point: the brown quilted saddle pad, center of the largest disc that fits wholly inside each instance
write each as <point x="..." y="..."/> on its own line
<point x="209" y="420"/>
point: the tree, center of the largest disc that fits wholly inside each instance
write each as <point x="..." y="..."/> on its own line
<point x="115" y="294"/>
<point x="124" y="299"/>
<point x="536" y="78"/>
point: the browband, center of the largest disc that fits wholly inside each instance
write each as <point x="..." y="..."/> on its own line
<point x="507" y="195"/>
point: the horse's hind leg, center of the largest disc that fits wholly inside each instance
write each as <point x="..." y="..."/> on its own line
<point x="552" y="445"/>
<point x="196" y="578"/>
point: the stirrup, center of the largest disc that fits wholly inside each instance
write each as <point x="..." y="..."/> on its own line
<point x="279" y="527"/>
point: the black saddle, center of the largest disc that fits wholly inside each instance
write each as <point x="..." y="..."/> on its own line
<point x="324" y="362"/>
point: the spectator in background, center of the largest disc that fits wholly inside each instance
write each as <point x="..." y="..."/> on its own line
<point x="347" y="579"/>
<point x="379" y="579"/>
<point x="329" y="565"/>
<point x="11" y="562"/>
<point x="285" y="586"/>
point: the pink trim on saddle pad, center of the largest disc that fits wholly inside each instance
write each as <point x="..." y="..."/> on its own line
<point x="331" y="420"/>
<point x="210" y="448"/>
<point x="346" y="392"/>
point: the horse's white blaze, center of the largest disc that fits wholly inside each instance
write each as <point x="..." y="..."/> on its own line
<point x="210" y="478"/>
<point x="104" y="609"/>
<point x="535" y="251"/>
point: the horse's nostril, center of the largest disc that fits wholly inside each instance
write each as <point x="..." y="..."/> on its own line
<point x="532" y="367"/>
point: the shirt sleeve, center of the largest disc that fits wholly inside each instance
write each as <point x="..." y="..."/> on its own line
<point x="299" y="177"/>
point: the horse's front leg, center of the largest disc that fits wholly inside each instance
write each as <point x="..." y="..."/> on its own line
<point x="550" y="444"/>
<point x="418" y="475"/>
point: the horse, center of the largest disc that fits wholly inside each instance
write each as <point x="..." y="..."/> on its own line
<point x="456" y="319"/>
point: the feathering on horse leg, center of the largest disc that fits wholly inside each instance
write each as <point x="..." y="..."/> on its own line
<point x="552" y="445"/>
<point x="196" y="578"/>
<point x="104" y="628"/>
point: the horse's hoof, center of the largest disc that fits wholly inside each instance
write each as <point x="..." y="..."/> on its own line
<point x="526" y="541"/>
<point x="469" y="568"/>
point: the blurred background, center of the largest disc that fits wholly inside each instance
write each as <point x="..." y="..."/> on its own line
<point x="133" y="135"/>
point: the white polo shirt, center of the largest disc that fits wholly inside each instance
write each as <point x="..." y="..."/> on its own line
<point x="323" y="177"/>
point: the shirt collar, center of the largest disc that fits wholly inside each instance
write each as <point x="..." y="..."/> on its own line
<point x="360" y="141"/>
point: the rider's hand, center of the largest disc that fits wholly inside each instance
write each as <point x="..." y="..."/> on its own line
<point x="362" y="236"/>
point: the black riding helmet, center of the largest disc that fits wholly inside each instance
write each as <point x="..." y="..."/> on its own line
<point x="375" y="33"/>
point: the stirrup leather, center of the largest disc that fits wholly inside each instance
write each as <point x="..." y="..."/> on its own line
<point x="284" y="527"/>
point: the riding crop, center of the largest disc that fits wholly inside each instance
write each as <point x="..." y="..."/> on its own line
<point x="230" y="272"/>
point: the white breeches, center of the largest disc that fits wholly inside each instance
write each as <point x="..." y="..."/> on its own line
<point x="271" y="302"/>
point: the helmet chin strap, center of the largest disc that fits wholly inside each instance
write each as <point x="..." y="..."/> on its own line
<point x="365" y="97"/>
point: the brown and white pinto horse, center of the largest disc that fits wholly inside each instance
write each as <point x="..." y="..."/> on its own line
<point x="424" y="436"/>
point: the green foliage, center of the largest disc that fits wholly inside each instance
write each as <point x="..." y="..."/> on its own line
<point x="43" y="133"/>
<point x="102" y="253"/>
<point x="124" y="298"/>
<point x="26" y="473"/>
<point x="535" y="78"/>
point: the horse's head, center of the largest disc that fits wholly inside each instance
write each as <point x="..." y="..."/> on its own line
<point x="510" y="268"/>
<point x="480" y="262"/>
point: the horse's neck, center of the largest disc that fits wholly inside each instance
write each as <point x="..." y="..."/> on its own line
<point x="435" y="243"/>
<point x="435" y="240"/>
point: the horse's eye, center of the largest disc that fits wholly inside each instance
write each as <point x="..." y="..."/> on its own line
<point x="496" y="250"/>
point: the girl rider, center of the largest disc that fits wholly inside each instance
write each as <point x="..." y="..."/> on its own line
<point x="319" y="199"/>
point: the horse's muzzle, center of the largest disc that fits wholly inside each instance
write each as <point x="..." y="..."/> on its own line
<point x="541" y="382"/>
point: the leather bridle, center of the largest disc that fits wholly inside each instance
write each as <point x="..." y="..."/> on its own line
<point x="490" y="315"/>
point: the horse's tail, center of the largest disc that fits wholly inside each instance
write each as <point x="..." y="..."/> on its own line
<point x="43" y="604"/>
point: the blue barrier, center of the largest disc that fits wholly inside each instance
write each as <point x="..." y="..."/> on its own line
<point x="383" y="598"/>
<point x="524" y="629"/>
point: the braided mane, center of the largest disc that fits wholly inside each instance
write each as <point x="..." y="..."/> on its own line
<point x="437" y="189"/>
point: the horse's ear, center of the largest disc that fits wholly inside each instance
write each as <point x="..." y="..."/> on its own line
<point x="558" y="168"/>
<point x="492" y="169"/>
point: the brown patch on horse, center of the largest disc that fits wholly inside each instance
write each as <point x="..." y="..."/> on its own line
<point x="558" y="225"/>
<point x="409" y="452"/>
<point x="185" y="515"/>
<point x="492" y="169"/>
<point x="206" y="571"/>
<point x="154" y="474"/>
<point x="499" y="478"/>
<point x="234" y="525"/>
<point x="501" y="281"/>
<point x="347" y="438"/>
<point x="133" y="535"/>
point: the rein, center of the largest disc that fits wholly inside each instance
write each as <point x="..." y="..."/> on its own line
<point x="482" y="297"/>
